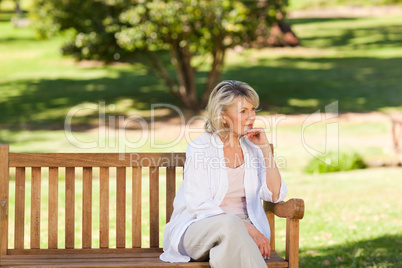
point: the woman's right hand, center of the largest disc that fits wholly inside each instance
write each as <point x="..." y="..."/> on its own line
<point x="261" y="241"/>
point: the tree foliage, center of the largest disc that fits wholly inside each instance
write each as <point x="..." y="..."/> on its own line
<point x="112" y="29"/>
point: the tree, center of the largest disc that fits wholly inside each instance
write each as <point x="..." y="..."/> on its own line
<point x="112" y="29"/>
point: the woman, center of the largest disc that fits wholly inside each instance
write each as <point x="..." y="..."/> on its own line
<point x="218" y="215"/>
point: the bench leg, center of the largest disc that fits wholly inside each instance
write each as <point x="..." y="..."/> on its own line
<point x="3" y="218"/>
<point x="292" y="242"/>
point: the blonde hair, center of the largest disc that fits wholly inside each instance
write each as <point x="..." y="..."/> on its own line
<point x="221" y="97"/>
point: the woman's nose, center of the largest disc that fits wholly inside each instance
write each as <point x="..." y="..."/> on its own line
<point x="251" y="115"/>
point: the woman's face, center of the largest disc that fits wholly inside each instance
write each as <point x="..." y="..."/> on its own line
<point x="240" y="116"/>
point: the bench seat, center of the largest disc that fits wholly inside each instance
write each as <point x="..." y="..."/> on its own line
<point x="110" y="260"/>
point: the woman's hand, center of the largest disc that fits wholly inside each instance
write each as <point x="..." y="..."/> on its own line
<point x="261" y="241"/>
<point x="257" y="136"/>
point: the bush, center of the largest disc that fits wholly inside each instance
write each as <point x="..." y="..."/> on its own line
<point x="333" y="162"/>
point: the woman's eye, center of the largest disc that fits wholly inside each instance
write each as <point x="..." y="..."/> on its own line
<point x="242" y="111"/>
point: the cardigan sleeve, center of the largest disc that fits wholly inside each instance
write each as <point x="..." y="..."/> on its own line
<point x="265" y="193"/>
<point x="198" y="196"/>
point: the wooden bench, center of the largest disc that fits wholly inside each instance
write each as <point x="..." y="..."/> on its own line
<point x="126" y="167"/>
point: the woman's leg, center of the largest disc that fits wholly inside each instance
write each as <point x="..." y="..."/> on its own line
<point x="225" y="240"/>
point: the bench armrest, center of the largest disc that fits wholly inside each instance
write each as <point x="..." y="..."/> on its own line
<point x="293" y="208"/>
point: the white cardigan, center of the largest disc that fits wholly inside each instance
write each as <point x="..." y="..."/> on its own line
<point x="205" y="185"/>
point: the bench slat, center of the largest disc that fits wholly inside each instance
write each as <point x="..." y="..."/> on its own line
<point x="96" y="159"/>
<point x="53" y="207"/>
<point x="121" y="208"/>
<point x="19" y="208"/>
<point x="154" y="206"/>
<point x="113" y="260"/>
<point x="87" y="208"/>
<point x="136" y="209"/>
<point x="170" y="191"/>
<point x="35" y="207"/>
<point x="61" y="251"/>
<point x="271" y="220"/>
<point x="104" y="208"/>
<point x="70" y="207"/>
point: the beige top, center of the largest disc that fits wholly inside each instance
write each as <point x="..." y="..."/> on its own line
<point x="234" y="201"/>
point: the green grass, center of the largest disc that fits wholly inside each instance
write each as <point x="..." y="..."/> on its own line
<point x="304" y="4"/>
<point x="354" y="61"/>
<point x="351" y="218"/>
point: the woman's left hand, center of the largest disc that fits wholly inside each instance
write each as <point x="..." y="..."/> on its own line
<point x="261" y="241"/>
<point x="257" y="136"/>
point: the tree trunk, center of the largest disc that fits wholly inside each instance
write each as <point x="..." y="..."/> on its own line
<point x="18" y="9"/>
<point x="181" y="58"/>
<point x="185" y="89"/>
<point x="163" y="73"/>
<point x="214" y="75"/>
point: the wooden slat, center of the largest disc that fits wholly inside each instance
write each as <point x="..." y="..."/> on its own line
<point x="19" y="208"/>
<point x="292" y="242"/>
<point x="53" y="207"/>
<point x="87" y="208"/>
<point x="4" y="191"/>
<point x="121" y="208"/>
<point x="70" y="207"/>
<point x="62" y="251"/>
<point x="3" y="217"/>
<point x="170" y="191"/>
<point x="95" y="254"/>
<point x="121" y="259"/>
<point x="154" y="206"/>
<point x="35" y="207"/>
<point x="136" y="213"/>
<point x="271" y="220"/>
<point x="104" y="208"/>
<point x="96" y="159"/>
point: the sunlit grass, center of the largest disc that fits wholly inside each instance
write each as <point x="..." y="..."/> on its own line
<point x="306" y="4"/>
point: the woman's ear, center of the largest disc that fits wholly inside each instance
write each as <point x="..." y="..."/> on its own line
<point x="223" y="116"/>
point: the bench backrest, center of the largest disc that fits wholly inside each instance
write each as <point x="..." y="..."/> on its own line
<point x="50" y="167"/>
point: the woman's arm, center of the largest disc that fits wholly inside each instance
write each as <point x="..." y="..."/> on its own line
<point x="272" y="177"/>
<point x="273" y="188"/>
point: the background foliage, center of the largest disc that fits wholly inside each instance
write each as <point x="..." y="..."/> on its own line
<point x="110" y="30"/>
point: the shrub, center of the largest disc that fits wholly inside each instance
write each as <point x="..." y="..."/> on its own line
<point x="333" y="162"/>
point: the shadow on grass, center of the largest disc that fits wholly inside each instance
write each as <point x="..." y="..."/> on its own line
<point x="349" y="36"/>
<point x="303" y="85"/>
<point x="43" y="102"/>
<point x="384" y="251"/>
<point x="297" y="85"/>
<point x="7" y="15"/>
<point x="317" y="20"/>
<point x="389" y="36"/>
<point x="288" y="85"/>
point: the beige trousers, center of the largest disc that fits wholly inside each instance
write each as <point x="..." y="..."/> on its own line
<point x="224" y="241"/>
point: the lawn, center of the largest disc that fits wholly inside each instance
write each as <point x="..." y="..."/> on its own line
<point x="352" y="218"/>
<point x="304" y="4"/>
<point x="353" y="60"/>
